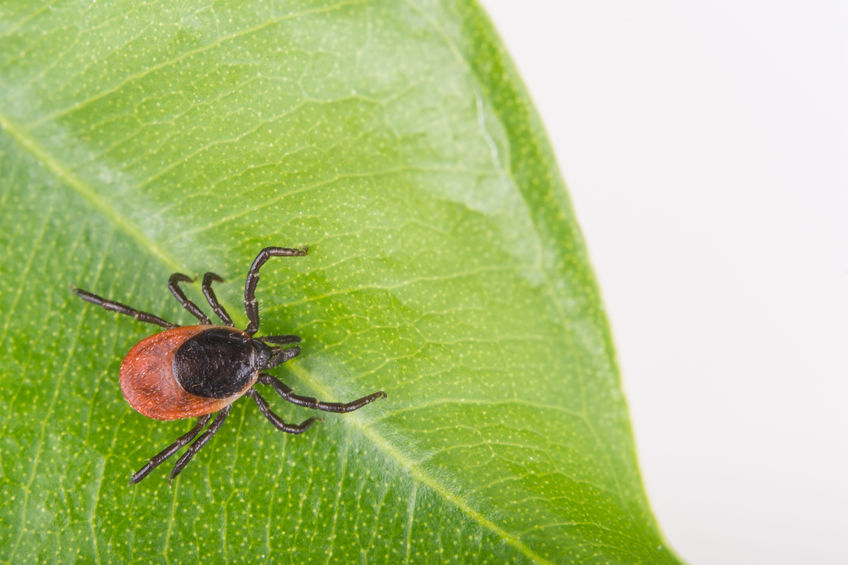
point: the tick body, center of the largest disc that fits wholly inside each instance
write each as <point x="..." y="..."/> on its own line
<point x="191" y="371"/>
<point x="199" y="371"/>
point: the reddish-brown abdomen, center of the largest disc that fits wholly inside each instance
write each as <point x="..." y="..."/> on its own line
<point x="148" y="383"/>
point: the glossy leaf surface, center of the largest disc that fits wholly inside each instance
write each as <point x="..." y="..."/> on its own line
<point x="445" y="267"/>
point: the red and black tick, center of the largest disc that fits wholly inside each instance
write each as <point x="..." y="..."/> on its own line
<point x="199" y="371"/>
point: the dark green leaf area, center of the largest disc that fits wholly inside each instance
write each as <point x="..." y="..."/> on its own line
<point x="445" y="267"/>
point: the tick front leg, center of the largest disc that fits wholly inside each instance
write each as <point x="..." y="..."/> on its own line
<point x="314" y="403"/>
<point x="251" y="308"/>
<point x="280" y="339"/>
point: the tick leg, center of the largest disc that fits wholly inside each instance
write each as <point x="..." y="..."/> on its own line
<point x="280" y="339"/>
<point x="212" y="299"/>
<point x="200" y="442"/>
<point x="251" y="308"/>
<point x="315" y="404"/>
<point x="174" y="286"/>
<point x="122" y="308"/>
<point x="276" y="420"/>
<point x="171" y="449"/>
<point x="280" y="356"/>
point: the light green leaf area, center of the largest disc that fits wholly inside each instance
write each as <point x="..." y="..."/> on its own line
<point x="445" y="267"/>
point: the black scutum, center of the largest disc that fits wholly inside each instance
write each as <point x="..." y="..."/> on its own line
<point x="216" y="363"/>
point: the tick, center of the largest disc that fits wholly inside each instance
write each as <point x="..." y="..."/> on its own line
<point x="199" y="371"/>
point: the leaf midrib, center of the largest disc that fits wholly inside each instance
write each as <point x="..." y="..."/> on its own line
<point x="389" y="450"/>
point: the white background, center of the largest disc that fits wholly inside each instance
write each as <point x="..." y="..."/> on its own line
<point x="705" y="146"/>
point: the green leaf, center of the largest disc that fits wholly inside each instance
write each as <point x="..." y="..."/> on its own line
<point x="445" y="267"/>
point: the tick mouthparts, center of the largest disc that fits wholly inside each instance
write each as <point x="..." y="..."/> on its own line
<point x="280" y="356"/>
